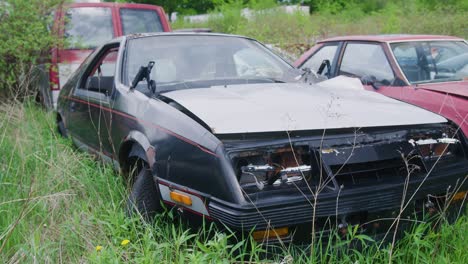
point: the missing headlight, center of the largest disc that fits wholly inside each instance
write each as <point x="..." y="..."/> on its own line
<point x="272" y="167"/>
<point x="435" y="148"/>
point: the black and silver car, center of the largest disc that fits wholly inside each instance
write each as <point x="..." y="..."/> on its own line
<point x="223" y="129"/>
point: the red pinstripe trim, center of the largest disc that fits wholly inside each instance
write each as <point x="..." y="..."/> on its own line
<point x="186" y="140"/>
<point x="188" y="209"/>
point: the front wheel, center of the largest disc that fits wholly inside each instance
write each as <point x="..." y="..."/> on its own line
<point x="61" y="128"/>
<point x="144" y="198"/>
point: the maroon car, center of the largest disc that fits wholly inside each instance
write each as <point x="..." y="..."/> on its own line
<point x="424" y="70"/>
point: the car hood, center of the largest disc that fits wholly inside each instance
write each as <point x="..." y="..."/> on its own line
<point x="459" y="88"/>
<point x="278" y="107"/>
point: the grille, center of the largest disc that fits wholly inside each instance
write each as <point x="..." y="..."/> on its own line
<point x="368" y="173"/>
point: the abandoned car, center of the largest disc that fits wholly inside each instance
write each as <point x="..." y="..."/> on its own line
<point x="425" y="70"/>
<point x="224" y="130"/>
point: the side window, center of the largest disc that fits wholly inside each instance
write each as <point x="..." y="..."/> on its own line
<point x="139" y="21"/>
<point x="327" y="52"/>
<point x="100" y="74"/>
<point x="361" y="59"/>
<point x="106" y="65"/>
<point x="407" y="57"/>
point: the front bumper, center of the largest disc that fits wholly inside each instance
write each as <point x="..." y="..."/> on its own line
<point x="298" y="208"/>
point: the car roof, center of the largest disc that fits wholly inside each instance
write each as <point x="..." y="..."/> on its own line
<point x="390" y="38"/>
<point x="155" y="34"/>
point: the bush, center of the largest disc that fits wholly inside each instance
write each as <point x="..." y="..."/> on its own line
<point x="24" y="39"/>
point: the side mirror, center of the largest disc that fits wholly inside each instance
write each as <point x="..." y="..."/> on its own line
<point x="102" y="84"/>
<point x="325" y="63"/>
<point x="370" y="80"/>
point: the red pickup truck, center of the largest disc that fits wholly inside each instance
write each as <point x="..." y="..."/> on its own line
<point x="84" y="27"/>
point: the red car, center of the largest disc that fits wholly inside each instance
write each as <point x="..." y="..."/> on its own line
<point x="425" y="70"/>
<point x="86" y="26"/>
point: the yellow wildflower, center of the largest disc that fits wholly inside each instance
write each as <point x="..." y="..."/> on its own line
<point x="98" y="248"/>
<point x="125" y="242"/>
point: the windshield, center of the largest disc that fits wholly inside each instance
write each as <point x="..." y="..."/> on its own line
<point x="432" y="61"/>
<point x="188" y="61"/>
<point x="88" y="27"/>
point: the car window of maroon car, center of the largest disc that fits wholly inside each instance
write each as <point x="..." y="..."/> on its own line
<point x="326" y="52"/>
<point x="140" y="21"/>
<point x="366" y="59"/>
<point x="432" y="61"/>
<point x="88" y="27"/>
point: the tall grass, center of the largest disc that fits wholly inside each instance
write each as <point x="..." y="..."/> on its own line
<point x="58" y="204"/>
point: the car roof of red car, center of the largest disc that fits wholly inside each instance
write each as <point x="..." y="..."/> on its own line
<point x="389" y="38"/>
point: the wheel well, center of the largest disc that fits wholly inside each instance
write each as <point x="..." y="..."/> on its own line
<point x="130" y="153"/>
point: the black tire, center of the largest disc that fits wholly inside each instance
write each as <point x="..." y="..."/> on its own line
<point x="144" y="197"/>
<point x="61" y="129"/>
<point x="39" y="99"/>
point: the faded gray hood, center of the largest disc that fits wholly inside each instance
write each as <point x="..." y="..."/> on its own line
<point x="295" y="106"/>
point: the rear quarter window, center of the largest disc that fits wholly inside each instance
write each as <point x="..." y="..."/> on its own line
<point x="88" y="27"/>
<point x="139" y="21"/>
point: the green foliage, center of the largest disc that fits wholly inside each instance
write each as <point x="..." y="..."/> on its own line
<point x="183" y="7"/>
<point x="297" y="32"/>
<point x="231" y="19"/>
<point x="24" y="39"/>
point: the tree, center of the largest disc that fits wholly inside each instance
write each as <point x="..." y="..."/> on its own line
<point x="183" y="6"/>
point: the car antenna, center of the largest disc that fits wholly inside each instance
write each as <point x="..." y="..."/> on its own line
<point x="145" y="73"/>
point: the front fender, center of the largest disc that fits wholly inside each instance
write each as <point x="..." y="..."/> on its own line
<point x="137" y="138"/>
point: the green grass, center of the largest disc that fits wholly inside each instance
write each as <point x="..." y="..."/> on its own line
<point x="57" y="204"/>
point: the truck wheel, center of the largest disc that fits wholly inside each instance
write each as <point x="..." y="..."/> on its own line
<point x="144" y="198"/>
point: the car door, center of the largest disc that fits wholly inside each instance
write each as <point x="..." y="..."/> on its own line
<point x="90" y="103"/>
<point x="417" y="60"/>
<point x="369" y="62"/>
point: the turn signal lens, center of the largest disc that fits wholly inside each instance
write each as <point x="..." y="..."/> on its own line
<point x="459" y="196"/>
<point x="270" y="233"/>
<point x="181" y="198"/>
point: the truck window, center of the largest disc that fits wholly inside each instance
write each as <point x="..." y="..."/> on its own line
<point x="88" y="27"/>
<point x="139" y="21"/>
